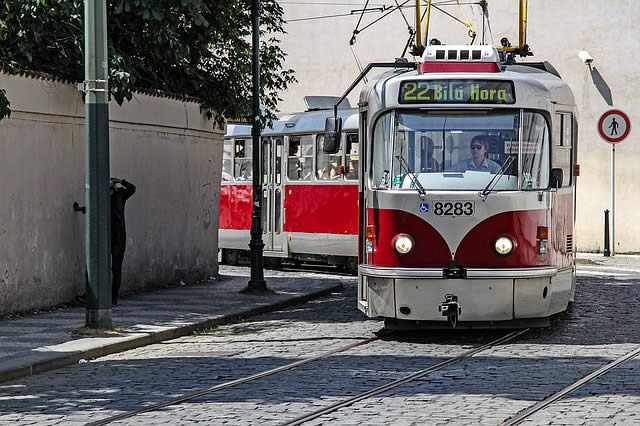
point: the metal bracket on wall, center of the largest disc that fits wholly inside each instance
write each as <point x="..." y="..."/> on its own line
<point x="77" y="208"/>
<point x="85" y="86"/>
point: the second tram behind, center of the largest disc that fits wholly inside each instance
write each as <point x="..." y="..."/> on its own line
<point x="303" y="188"/>
<point x="467" y="199"/>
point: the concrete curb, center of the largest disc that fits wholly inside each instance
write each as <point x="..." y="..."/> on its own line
<point x="38" y="362"/>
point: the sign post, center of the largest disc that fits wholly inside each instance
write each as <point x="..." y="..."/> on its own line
<point x="613" y="127"/>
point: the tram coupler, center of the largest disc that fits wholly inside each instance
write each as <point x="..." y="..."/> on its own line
<point x="454" y="271"/>
<point x="451" y="309"/>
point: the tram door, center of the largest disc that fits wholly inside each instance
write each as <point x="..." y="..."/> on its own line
<point x="272" y="193"/>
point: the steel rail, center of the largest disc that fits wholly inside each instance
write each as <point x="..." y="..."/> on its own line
<point x="396" y="383"/>
<point x="528" y="412"/>
<point x="192" y="395"/>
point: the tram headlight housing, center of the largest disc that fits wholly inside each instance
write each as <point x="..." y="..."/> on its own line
<point x="403" y="243"/>
<point x="504" y="245"/>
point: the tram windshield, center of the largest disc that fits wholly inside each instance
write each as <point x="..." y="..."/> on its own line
<point x="460" y="151"/>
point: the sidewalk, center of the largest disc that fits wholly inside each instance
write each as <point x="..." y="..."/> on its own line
<point x="619" y="261"/>
<point x="41" y="342"/>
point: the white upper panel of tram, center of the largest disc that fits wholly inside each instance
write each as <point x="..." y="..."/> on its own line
<point x="536" y="85"/>
<point x="301" y="122"/>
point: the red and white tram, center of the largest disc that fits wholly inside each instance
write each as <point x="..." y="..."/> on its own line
<point x="467" y="198"/>
<point x="303" y="188"/>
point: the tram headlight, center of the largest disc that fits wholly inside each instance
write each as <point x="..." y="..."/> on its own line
<point x="403" y="243"/>
<point x="504" y="245"/>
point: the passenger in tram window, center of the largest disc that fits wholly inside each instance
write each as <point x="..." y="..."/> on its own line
<point x="335" y="171"/>
<point x="295" y="167"/>
<point x="429" y="163"/>
<point x="478" y="161"/>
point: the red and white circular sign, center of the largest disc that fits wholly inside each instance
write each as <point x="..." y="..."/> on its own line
<point x="613" y="126"/>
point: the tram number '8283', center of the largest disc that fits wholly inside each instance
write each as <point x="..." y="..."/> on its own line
<point x="453" y="208"/>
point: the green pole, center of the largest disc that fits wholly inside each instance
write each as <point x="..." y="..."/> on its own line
<point x="97" y="228"/>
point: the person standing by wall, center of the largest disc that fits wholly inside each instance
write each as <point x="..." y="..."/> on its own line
<point x="119" y="196"/>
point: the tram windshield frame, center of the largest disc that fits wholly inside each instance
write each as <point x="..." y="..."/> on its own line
<point x="461" y="150"/>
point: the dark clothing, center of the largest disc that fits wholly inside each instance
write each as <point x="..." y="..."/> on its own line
<point x="116" y="276"/>
<point x="118" y="226"/>
<point x="118" y="234"/>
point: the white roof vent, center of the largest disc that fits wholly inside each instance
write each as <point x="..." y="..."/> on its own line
<point x="462" y="53"/>
<point x="315" y="103"/>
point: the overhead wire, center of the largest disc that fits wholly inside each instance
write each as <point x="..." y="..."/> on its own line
<point x="352" y="41"/>
<point x="385" y="15"/>
<point x="382" y="7"/>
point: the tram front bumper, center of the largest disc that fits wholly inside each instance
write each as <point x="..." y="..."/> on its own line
<point x="486" y="295"/>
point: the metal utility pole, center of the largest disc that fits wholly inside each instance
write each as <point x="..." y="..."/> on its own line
<point x="256" y="245"/>
<point x="97" y="228"/>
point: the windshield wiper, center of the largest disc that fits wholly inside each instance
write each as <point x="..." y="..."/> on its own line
<point x="413" y="176"/>
<point x="496" y="178"/>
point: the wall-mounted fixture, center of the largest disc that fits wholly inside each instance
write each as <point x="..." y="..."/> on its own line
<point x="585" y="57"/>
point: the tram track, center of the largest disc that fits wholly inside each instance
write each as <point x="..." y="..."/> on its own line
<point x="528" y="412"/>
<point x="310" y="416"/>
<point x="236" y="382"/>
<point x="381" y="389"/>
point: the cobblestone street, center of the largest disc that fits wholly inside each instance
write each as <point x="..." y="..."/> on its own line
<point x="486" y="389"/>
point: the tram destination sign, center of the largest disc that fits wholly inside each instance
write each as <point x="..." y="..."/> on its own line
<point x="457" y="92"/>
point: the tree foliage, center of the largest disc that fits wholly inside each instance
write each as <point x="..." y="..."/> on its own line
<point x="196" y="48"/>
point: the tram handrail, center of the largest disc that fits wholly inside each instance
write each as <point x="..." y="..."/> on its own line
<point x="363" y="74"/>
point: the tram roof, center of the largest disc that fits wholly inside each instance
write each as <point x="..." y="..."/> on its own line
<point x="535" y="86"/>
<point x="299" y="122"/>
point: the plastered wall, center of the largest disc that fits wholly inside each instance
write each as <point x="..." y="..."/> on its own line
<point x="167" y="148"/>
<point x="319" y="50"/>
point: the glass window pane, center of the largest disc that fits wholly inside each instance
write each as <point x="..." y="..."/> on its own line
<point x="535" y="152"/>
<point x="265" y="212"/>
<point x="227" y="158"/>
<point x="266" y="159"/>
<point x="557" y="131"/>
<point x="460" y="151"/>
<point x="300" y="161"/>
<point x="328" y="166"/>
<point x="278" y="166"/>
<point x="278" y="209"/>
<point x="380" y="152"/>
<point x="352" y="148"/>
<point x="243" y="166"/>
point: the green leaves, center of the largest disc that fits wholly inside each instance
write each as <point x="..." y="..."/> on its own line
<point x="196" y="48"/>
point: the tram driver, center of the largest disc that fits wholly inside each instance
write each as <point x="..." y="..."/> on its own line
<point x="478" y="161"/>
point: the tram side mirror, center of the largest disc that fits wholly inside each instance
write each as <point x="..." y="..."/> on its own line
<point x="556" y="178"/>
<point x="332" y="130"/>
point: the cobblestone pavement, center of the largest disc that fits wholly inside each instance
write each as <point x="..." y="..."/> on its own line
<point x="486" y="389"/>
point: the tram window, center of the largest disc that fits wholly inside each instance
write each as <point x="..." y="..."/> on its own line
<point x="243" y="166"/>
<point x="300" y="161"/>
<point x="562" y="150"/>
<point x="327" y="165"/>
<point x="380" y="175"/>
<point x="278" y="165"/>
<point x="418" y="152"/>
<point x="462" y="151"/>
<point x="352" y="148"/>
<point x="535" y="152"/>
<point x="227" y="160"/>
